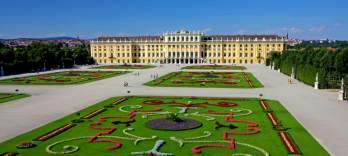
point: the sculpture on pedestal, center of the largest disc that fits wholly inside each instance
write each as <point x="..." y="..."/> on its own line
<point x="341" y="92"/>
<point x="316" y="83"/>
<point x="293" y="73"/>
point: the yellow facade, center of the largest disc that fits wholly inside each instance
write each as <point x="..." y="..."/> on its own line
<point x="186" y="48"/>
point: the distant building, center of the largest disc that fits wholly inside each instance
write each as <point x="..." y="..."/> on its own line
<point x="186" y="47"/>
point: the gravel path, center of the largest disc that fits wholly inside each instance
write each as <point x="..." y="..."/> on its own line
<point x="319" y="111"/>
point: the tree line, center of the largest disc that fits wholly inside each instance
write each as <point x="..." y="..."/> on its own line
<point x="331" y="64"/>
<point x="41" y="57"/>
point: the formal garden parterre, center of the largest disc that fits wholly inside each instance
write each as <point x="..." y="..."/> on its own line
<point x="125" y="66"/>
<point x="192" y="125"/>
<point x="61" y="78"/>
<point x="215" y="67"/>
<point x="5" y="97"/>
<point x="207" y="79"/>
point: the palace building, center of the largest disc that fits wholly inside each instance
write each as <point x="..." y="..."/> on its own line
<point x="186" y="47"/>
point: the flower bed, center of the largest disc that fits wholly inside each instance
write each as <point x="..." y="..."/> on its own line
<point x="9" y="154"/>
<point x="197" y="149"/>
<point x="265" y="106"/>
<point x="246" y="78"/>
<point x="54" y="132"/>
<point x="169" y="125"/>
<point x="120" y="100"/>
<point x="288" y="143"/>
<point x="94" y="113"/>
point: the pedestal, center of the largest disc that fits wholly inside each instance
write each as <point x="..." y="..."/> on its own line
<point x="316" y="85"/>
<point x="292" y="76"/>
<point x="278" y="70"/>
<point x="341" y="95"/>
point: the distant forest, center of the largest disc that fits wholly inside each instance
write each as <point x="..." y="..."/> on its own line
<point x="41" y="56"/>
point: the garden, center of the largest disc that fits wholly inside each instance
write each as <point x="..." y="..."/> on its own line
<point x="61" y="78"/>
<point x="207" y="80"/>
<point x="215" y="67"/>
<point x="5" y="97"/>
<point x="165" y="126"/>
<point x="125" y="66"/>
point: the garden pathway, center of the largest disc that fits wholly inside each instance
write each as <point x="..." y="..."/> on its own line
<point x="318" y="110"/>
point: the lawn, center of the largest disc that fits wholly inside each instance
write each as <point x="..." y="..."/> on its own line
<point x="192" y="125"/>
<point x="61" y="78"/>
<point x="207" y="79"/>
<point x="5" y="97"/>
<point x="215" y="67"/>
<point x="131" y="66"/>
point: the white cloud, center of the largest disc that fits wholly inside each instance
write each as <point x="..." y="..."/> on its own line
<point x="242" y="31"/>
<point x="292" y="29"/>
<point x="206" y="30"/>
<point x="318" y="29"/>
<point x="338" y="24"/>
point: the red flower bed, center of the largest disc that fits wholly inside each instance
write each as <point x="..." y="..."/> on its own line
<point x="180" y="104"/>
<point x="107" y="130"/>
<point x="273" y="119"/>
<point x="54" y="132"/>
<point x="197" y="149"/>
<point x="94" y="113"/>
<point x="246" y="78"/>
<point x="120" y="100"/>
<point x="288" y="143"/>
<point x="251" y="127"/>
<point x="9" y="154"/>
<point x="264" y="106"/>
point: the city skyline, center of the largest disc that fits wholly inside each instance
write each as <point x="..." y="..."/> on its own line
<point x="90" y="19"/>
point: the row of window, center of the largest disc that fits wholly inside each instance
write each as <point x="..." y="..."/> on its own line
<point x="176" y="54"/>
<point x="182" y="38"/>
<point x="251" y="61"/>
<point x="234" y="61"/>
<point x="182" y="46"/>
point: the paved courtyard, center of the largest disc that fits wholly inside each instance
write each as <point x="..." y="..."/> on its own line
<point x="318" y="110"/>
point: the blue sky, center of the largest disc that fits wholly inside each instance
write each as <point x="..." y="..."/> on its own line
<point x="305" y="19"/>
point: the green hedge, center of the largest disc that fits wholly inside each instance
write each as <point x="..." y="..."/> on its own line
<point x="306" y="73"/>
<point x="286" y="67"/>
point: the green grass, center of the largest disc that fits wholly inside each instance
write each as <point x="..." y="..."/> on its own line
<point x="206" y="80"/>
<point x="5" y="97"/>
<point x="63" y="78"/>
<point x="215" y="67"/>
<point x="125" y="67"/>
<point x="267" y="139"/>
